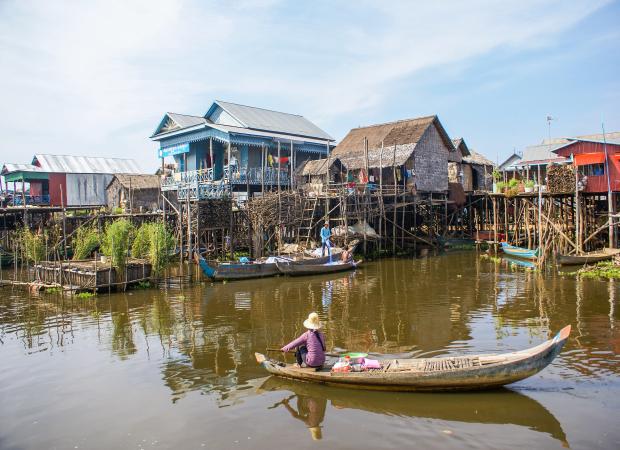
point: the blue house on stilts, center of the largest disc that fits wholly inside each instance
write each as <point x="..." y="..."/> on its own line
<point x="236" y="150"/>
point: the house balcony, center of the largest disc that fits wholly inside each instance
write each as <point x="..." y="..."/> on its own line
<point x="18" y="200"/>
<point x="199" y="184"/>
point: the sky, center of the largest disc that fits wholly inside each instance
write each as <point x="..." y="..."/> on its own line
<point x="95" y="77"/>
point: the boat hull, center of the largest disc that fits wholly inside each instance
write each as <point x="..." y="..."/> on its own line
<point x="520" y="252"/>
<point x="588" y="258"/>
<point x="494" y="371"/>
<point x="239" y="271"/>
<point x="294" y="269"/>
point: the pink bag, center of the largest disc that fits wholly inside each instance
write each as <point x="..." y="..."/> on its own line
<point x="371" y="364"/>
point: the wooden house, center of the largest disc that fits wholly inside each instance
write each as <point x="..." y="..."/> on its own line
<point x="236" y="148"/>
<point x="65" y="180"/>
<point x="134" y="192"/>
<point x="411" y="153"/>
<point x="313" y="174"/>
<point x="456" y="174"/>
<point x="477" y="172"/>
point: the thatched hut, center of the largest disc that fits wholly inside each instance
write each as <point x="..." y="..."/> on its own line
<point x="478" y="172"/>
<point x="134" y="191"/>
<point x="312" y="174"/>
<point x="410" y="153"/>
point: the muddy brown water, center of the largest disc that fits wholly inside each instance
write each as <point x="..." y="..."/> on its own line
<point x="173" y="367"/>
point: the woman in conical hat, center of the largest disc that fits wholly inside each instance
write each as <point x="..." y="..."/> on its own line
<point x="310" y="346"/>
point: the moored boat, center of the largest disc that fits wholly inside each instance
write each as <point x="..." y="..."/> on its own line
<point x="520" y="252"/>
<point x="294" y="268"/>
<point x="473" y="372"/>
<point x="587" y="258"/>
<point x="256" y="269"/>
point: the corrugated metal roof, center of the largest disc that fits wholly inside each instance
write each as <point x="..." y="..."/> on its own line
<point x="268" y="120"/>
<point x="85" y="164"/>
<point x="10" y="167"/>
<point x="185" y="120"/>
<point x="536" y="154"/>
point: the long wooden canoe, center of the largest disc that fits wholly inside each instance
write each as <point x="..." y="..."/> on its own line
<point x="434" y="374"/>
<point x="587" y="258"/>
<point x="241" y="271"/>
<point x="520" y="252"/>
<point x="295" y="269"/>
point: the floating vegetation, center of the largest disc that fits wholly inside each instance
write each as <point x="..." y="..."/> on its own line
<point x="142" y="285"/>
<point x="605" y="269"/>
<point x="86" y="242"/>
<point x="53" y="290"/>
<point x="495" y="259"/>
<point x="85" y="295"/>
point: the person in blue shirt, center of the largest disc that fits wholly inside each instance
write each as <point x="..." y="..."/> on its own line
<point x="325" y="235"/>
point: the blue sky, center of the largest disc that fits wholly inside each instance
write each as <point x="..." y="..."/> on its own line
<point x="95" y="77"/>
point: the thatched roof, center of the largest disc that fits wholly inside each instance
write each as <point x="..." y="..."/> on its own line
<point x="460" y="145"/>
<point x="401" y="132"/>
<point x="476" y="158"/>
<point x="137" y="182"/>
<point x="389" y="157"/>
<point x="319" y="166"/>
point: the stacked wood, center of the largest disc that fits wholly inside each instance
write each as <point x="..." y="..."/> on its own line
<point x="273" y="209"/>
<point x="215" y="213"/>
<point x="560" y="179"/>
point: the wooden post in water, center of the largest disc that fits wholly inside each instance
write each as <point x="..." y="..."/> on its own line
<point x="64" y="224"/>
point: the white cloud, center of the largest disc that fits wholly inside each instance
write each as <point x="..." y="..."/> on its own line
<point x="95" y="77"/>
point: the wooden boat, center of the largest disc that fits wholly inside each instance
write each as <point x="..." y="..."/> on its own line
<point x="294" y="268"/>
<point x="520" y="252"/>
<point x="587" y="258"/>
<point x="434" y="374"/>
<point x="259" y="269"/>
<point x="486" y="235"/>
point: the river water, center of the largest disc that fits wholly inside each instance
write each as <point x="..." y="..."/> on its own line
<point x="174" y="367"/>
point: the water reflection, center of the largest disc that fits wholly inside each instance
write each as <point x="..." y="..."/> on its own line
<point x="200" y="339"/>
<point x="504" y="407"/>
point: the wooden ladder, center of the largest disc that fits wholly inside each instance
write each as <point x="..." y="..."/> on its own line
<point x="307" y="217"/>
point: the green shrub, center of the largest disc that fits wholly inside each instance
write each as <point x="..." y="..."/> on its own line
<point x="86" y="241"/>
<point x="141" y="242"/>
<point x="115" y="245"/>
<point x="33" y="245"/>
<point x="154" y="242"/>
<point x="513" y="183"/>
<point x="529" y="183"/>
<point x="85" y="295"/>
<point x="118" y="210"/>
<point x="497" y="175"/>
<point x="500" y="186"/>
<point x="161" y="245"/>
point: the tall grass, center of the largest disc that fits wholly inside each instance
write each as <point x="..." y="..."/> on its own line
<point x="116" y="241"/>
<point x="154" y="242"/>
<point x="86" y="241"/>
<point x="32" y="244"/>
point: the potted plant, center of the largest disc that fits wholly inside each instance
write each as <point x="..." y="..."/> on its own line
<point x="499" y="187"/>
<point x="529" y="185"/>
<point x="497" y="176"/>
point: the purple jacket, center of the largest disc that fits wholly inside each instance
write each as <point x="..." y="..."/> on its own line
<point x="316" y="354"/>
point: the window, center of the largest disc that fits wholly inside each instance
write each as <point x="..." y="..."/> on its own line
<point x="592" y="170"/>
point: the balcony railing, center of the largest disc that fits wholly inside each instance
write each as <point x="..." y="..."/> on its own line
<point x="238" y="175"/>
<point x="18" y="199"/>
